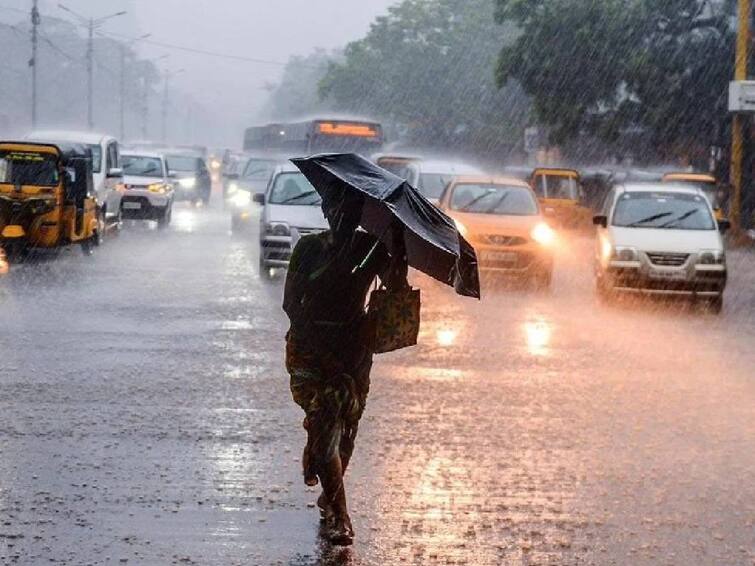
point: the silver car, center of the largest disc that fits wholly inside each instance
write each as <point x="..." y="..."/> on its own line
<point x="290" y="210"/>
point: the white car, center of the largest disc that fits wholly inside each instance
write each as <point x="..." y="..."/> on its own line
<point x="660" y="239"/>
<point x="106" y="166"/>
<point x="149" y="190"/>
<point x="290" y="209"/>
<point x="430" y="177"/>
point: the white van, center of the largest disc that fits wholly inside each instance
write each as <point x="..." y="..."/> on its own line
<point x="106" y="164"/>
<point x="660" y="239"/>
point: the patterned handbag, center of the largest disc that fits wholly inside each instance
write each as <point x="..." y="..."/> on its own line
<point x="394" y="319"/>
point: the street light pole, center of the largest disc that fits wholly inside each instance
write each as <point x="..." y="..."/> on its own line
<point x="739" y="121"/>
<point x="91" y="24"/>
<point x="35" y="20"/>
<point x="166" y="89"/>
<point x="122" y="117"/>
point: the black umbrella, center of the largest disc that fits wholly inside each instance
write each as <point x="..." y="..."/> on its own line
<point x="433" y="244"/>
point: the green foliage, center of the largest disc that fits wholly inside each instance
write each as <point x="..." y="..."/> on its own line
<point x="606" y="66"/>
<point x="297" y="92"/>
<point x="426" y="67"/>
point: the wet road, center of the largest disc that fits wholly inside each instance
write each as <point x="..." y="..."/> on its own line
<point x="146" y="420"/>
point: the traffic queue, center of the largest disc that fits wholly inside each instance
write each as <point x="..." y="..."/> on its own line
<point x="62" y="188"/>
<point x="655" y="232"/>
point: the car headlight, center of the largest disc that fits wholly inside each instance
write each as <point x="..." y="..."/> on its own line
<point x="278" y="229"/>
<point x="241" y="198"/>
<point x="711" y="257"/>
<point x="157" y="188"/>
<point x="188" y="183"/>
<point x="625" y="253"/>
<point x="232" y="188"/>
<point x="543" y="234"/>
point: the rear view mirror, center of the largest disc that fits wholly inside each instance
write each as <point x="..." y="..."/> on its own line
<point x="259" y="198"/>
<point x="600" y="220"/>
<point x="724" y="226"/>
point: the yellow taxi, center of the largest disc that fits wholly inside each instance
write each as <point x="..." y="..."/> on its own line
<point x="560" y="193"/>
<point x="501" y="217"/>
<point x="703" y="181"/>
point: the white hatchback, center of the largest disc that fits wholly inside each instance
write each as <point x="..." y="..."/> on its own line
<point x="290" y="209"/>
<point x="660" y="239"/>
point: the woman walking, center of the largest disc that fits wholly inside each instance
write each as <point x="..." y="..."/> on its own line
<point x="328" y="349"/>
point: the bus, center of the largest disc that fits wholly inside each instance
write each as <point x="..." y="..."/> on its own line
<point x="319" y="135"/>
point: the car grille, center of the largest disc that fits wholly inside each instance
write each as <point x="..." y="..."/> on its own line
<point x="668" y="259"/>
<point x="129" y="187"/>
<point x="500" y="240"/>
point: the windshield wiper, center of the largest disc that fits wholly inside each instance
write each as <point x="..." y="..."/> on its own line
<point x="648" y="219"/>
<point x="680" y="218"/>
<point x="297" y="197"/>
<point x="504" y="196"/>
<point x="472" y="202"/>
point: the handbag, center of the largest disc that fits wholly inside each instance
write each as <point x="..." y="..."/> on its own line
<point x="394" y="318"/>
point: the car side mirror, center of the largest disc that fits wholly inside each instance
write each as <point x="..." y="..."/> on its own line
<point x="724" y="226"/>
<point x="172" y="175"/>
<point x="549" y="211"/>
<point x="600" y="220"/>
<point x="115" y="173"/>
<point x="259" y="198"/>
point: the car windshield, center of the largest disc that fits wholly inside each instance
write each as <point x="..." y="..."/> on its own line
<point x="493" y="199"/>
<point x="293" y="188"/>
<point x="142" y="166"/>
<point x="258" y="170"/>
<point x="664" y="210"/>
<point x="432" y="185"/>
<point x="28" y="168"/>
<point x="184" y="163"/>
<point x="399" y="167"/>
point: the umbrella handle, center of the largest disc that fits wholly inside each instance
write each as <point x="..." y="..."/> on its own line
<point x="372" y="250"/>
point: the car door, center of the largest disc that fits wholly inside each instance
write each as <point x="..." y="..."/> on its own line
<point x="113" y="179"/>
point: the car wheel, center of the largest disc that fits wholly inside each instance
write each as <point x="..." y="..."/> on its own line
<point x="605" y="294"/>
<point x="163" y="221"/>
<point x="716" y="306"/>
<point x="266" y="274"/>
<point x="99" y="236"/>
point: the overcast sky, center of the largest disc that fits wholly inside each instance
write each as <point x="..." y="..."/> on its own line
<point x="262" y="29"/>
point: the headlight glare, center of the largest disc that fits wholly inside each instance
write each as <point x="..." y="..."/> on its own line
<point x="188" y="183"/>
<point x="241" y="198"/>
<point x="543" y="234"/>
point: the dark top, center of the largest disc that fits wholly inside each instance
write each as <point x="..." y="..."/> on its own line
<point x="327" y="286"/>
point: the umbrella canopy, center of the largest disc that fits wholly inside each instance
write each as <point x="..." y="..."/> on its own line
<point x="433" y="244"/>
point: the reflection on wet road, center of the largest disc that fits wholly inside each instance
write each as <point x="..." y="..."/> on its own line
<point x="146" y="417"/>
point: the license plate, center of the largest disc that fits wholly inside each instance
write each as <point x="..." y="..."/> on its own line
<point x="668" y="275"/>
<point x="132" y="205"/>
<point x="505" y="257"/>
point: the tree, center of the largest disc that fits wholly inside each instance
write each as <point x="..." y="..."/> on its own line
<point x="296" y="95"/>
<point x="426" y="68"/>
<point x="604" y="67"/>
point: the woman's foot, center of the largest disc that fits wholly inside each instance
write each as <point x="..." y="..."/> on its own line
<point x="340" y="532"/>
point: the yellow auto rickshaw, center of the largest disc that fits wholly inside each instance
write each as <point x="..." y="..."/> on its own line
<point x="705" y="182"/>
<point x="47" y="197"/>
<point x="560" y="193"/>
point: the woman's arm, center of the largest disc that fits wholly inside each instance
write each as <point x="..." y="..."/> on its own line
<point x="395" y="275"/>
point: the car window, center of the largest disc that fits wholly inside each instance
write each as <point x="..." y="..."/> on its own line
<point x="556" y="187"/>
<point x="293" y="188"/>
<point x="96" y="157"/>
<point x="142" y="166"/>
<point x="182" y="163"/>
<point x="662" y="210"/>
<point x="432" y="185"/>
<point x="493" y="199"/>
<point x="258" y="170"/>
<point x="112" y="156"/>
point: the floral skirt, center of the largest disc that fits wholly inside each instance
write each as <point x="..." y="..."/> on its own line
<point x="332" y="390"/>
